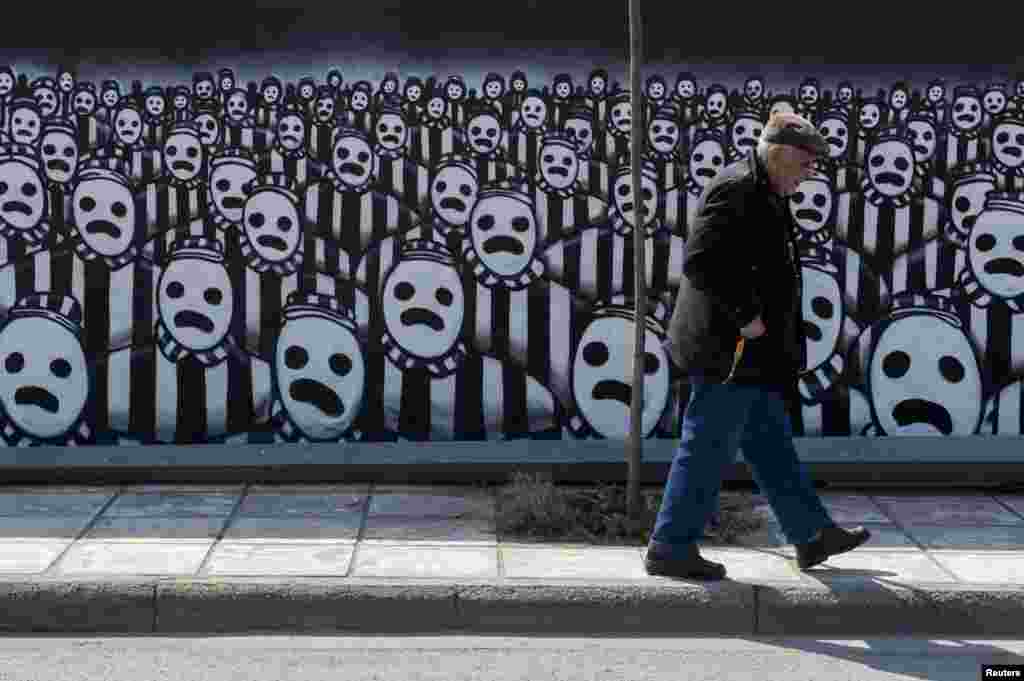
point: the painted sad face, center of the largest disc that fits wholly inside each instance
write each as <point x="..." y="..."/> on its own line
<point x="128" y="126"/>
<point x="46" y="97"/>
<point x="324" y="109"/>
<point x="237" y="106"/>
<point x="925" y="378"/>
<point x="921" y="135"/>
<point x="745" y="133"/>
<point x="195" y="301"/>
<point x="392" y="132"/>
<point x="891" y="167"/>
<point x="621" y="117"/>
<point x="26" y="125"/>
<point x="811" y="205"/>
<point x="968" y="200"/>
<point x="809" y="94"/>
<point x="996" y="253"/>
<point x="1008" y="144"/>
<point x="321" y="383"/>
<point x="22" y="198"/>
<point x="837" y="134"/>
<point x="625" y="199"/>
<point x="898" y="99"/>
<point x="453" y="194"/>
<point x="706" y="160"/>
<point x="204" y="89"/>
<point x="534" y="112"/>
<point x="85" y="103"/>
<point x="493" y="89"/>
<point x="753" y="90"/>
<point x="581" y="131"/>
<point x="360" y="101"/>
<point x="44" y="383"/>
<point x="291" y="131"/>
<point x="104" y="212"/>
<point x="59" y="155"/>
<point x="352" y="161"/>
<point x="436" y="108"/>
<point x="995" y="102"/>
<point x="155" y="105"/>
<point x="228" y="183"/>
<point x="602" y="377"/>
<point x="967" y="113"/>
<point x="484" y="133"/>
<point x="663" y="135"/>
<point x="504" y="234"/>
<point x="559" y="165"/>
<point x="424" y="307"/>
<point x="209" y="129"/>
<point x="716" y="106"/>
<point x="183" y="155"/>
<point x="870" y="116"/>
<point x="272" y="225"/>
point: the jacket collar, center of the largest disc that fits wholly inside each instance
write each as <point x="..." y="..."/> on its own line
<point x="760" y="176"/>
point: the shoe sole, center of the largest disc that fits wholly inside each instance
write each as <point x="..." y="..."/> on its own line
<point x="657" y="570"/>
<point x="861" y="542"/>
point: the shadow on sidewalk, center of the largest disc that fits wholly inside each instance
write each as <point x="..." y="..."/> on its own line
<point x="933" y="659"/>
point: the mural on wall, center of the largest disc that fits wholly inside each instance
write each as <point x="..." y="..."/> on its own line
<point x="325" y="261"/>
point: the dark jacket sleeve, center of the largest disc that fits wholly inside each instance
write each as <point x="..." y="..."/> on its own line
<point x="720" y="250"/>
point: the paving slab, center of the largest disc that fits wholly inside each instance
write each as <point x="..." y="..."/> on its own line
<point x="980" y="537"/>
<point x="30" y="556"/>
<point x="402" y="514"/>
<point x="406" y="500"/>
<point x="341" y="527"/>
<point x="853" y="509"/>
<point x="910" y="509"/>
<point x="38" y="526"/>
<point x="420" y="561"/>
<point x="286" y="560"/>
<point x="171" y="503"/>
<point x="177" y="526"/>
<point x="56" y="502"/>
<point x="988" y="567"/>
<point x="119" y="558"/>
<point x="569" y="562"/>
<point x="1014" y="501"/>
<point x="304" y="500"/>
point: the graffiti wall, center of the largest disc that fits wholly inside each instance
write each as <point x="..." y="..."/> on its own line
<point x="438" y="259"/>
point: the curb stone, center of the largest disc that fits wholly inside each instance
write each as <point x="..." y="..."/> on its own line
<point x="838" y="607"/>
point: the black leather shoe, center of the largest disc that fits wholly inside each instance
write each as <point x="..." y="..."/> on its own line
<point x="830" y="541"/>
<point x="690" y="566"/>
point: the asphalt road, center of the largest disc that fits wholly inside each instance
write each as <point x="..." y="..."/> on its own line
<point x="455" y="658"/>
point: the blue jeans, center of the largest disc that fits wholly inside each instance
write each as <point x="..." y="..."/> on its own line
<point x="719" y="418"/>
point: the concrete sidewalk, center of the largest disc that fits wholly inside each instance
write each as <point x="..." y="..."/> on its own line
<point x="392" y="559"/>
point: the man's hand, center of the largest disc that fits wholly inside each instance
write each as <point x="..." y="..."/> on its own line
<point x="753" y="329"/>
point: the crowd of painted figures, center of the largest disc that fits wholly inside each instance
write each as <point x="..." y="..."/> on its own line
<point x="329" y="261"/>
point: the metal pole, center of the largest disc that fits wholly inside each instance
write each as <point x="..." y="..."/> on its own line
<point x="639" y="263"/>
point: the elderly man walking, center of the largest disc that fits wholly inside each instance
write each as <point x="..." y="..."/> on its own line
<point x="737" y="333"/>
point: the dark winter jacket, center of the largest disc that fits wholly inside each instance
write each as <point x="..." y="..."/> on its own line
<point x="740" y="261"/>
